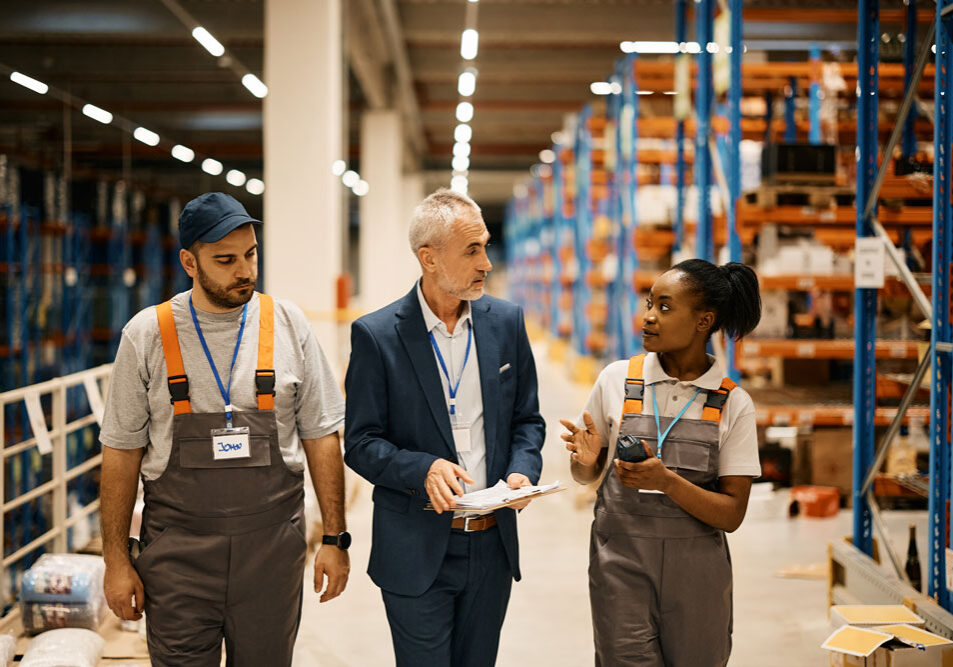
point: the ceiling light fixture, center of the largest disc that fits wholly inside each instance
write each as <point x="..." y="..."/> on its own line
<point x="236" y="178"/>
<point x="210" y="166"/>
<point x="469" y="44"/>
<point x="29" y="82"/>
<point x="96" y="113"/>
<point x="464" y="112"/>
<point x="466" y="83"/>
<point x="204" y="37"/>
<point x="254" y="85"/>
<point x="600" y="87"/>
<point x="183" y="153"/>
<point x="148" y="137"/>
<point x="350" y="178"/>
<point x="462" y="132"/>
<point x="255" y="186"/>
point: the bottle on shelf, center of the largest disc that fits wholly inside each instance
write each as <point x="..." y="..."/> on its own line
<point x="912" y="568"/>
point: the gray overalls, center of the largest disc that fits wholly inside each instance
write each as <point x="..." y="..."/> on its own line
<point x="660" y="579"/>
<point x="224" y="547"/>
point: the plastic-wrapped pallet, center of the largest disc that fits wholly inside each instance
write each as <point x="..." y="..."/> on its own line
<point x="74" y="578"/>
<point x="68" y="647"/>
<point x="63" y="591"/>
<point x="8" y="649"/>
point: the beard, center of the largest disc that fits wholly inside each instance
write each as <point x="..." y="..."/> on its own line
<point x="225" y="297"/>
<point x="468" y="292"/>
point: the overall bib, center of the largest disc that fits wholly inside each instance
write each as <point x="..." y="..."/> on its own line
<point x="660" y="579"/>
<point x="223" y="543"/>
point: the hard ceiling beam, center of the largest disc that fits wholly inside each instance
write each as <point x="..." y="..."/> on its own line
<point x="364" y="37"/>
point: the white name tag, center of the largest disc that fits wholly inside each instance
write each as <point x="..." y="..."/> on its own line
<point x="461" y="438"/>
<point x="230" y="443"/>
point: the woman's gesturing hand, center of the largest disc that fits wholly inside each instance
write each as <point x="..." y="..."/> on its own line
<point x="585" y="444"/>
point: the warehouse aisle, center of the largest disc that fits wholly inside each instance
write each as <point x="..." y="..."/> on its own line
<point x="548" y="622"/>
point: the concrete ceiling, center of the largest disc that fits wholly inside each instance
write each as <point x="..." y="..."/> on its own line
<point x="137" y="59"/>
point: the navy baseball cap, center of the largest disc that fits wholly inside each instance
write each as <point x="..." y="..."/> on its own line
<point x="210" y="218"/>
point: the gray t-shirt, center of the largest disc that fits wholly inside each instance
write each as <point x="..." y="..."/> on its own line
<point x="138" y="414"/>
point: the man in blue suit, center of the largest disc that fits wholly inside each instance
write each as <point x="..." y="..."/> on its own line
<point x="441" y="400"/>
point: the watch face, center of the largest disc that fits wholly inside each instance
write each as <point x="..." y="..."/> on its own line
<point x="344" y="540"/>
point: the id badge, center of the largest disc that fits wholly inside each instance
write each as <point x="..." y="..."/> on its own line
<point x="230" y="443"/>
<point x="461" y="437"/>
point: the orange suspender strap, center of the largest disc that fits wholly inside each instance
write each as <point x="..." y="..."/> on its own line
<point x="178" y="382"/>
<point x="265" y="373"/>
<point x="634" y="386"/>
<point x="716" y="401"/>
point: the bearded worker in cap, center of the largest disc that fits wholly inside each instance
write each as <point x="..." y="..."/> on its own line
<point x="218" y="399"/>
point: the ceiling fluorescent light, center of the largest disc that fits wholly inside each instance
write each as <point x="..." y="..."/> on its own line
<point x="338" y="167"/>
<point x="462" y="132"/>
<point x="148" y="137"/>
<point x="460" y="163"/>
<point x="649" y="47"/>
<point x="600" y="87"/>
<point x="29" y="82"/>
<point x="464" y="112"/>
<point x="180" y="152"/>
<point x="361" y="188"/>
<point x="255" y="186"/>
<point x="469" y="44"/>
<point x="96" y="113"/>
<point x="350" y="178"/>
<point x="466" y="83"/>
<point x="204" y="37"/>
<point x="254" y="85"/>
<point x="459" y="184"/>
<point x="236" y="178"/>
<point x="461" y="148"/>
<point x="547" y="156"/>
<point x="213" y="167"/>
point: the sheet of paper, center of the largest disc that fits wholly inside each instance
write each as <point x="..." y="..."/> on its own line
<point x="38" y="422"/>
<point x="499" y="494"/>
<point x="855" y="641"/>
<point x="94" y="397"/>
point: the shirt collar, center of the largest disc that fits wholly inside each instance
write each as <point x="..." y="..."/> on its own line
<point x="653" y="372"/>
<point x="432" y="321"/>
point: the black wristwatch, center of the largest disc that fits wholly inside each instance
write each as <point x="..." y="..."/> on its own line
<point x="342" y="540"/>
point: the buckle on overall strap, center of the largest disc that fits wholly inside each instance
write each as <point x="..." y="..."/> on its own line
<point x="634" y="389"/>
<point x="714" y="404"/>
<point x="178" y="388"/>
<point x="265" y="382"/>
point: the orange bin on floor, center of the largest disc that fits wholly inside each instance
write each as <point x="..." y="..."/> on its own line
<point x="817" y="501"/>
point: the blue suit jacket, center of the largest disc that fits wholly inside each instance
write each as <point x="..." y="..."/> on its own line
<point x="397" y="425"/>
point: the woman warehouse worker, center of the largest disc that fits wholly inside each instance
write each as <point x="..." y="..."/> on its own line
<point x="676" y="448"/>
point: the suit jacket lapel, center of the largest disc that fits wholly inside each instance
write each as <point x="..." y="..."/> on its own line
<point x="486" y="336"/>
<point x="413" y="335"/>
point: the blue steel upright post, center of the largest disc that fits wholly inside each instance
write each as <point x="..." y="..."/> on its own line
<point x="814" y="101"/>
<point x="705" y="244"/>
<point x="940" y="333"/>
<point x="681" y="35"/>
<point x="909" y="145"/>
<point x="865" y="300"/>
<point x="734" y="156"/>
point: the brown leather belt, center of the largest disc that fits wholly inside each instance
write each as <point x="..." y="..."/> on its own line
<point x="474" y="524"/>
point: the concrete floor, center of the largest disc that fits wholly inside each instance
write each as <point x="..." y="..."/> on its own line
<point x="777" y="621"/>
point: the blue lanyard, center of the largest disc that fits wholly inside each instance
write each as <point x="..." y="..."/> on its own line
<point x="226" y="391"/>
<point x="451" y="387"/>
<point x="658" y="426"/>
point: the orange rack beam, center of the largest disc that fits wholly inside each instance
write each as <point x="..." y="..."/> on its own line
<point x="823" y="349"/>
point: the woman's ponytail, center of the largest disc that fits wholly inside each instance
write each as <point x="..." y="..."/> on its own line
<point x="731" y="291"/>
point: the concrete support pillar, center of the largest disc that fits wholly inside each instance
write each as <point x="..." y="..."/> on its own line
<point x="303" y="135"/>
<point x="387" y="267"/>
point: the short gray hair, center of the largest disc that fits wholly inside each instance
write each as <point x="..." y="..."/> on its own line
<point x="434" y="216"/>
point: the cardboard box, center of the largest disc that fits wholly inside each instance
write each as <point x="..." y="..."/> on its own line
<point x="898" y="645"/>
<point x="832" y="459"/>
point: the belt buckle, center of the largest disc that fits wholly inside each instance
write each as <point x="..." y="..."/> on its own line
<point x="466" y="523"/>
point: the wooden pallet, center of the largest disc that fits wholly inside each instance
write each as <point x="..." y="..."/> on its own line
<point x="790" y="194"/>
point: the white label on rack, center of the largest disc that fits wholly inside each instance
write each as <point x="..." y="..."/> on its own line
<point x="805" y="349"/>
<point x="780" y="419"/>
<point x="94" y="397"/>
<point x="805" y="283"/>
<point x="38" y="422"/>
<point x="949" y="569"/>
<point x="805" y="417"/>
<point x="848" y="417"/>
<point x="827" y="215"/>
<point x="869" y="263"/>
<point x="898" y="351"/>
<point x="752" y="349"/>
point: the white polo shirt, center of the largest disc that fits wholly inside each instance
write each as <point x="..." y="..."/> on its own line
<point x="469" y="400"/>
<point x="737" y="432"/>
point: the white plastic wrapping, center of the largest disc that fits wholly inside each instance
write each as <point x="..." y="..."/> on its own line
<point x="8" y="649"/>
<point x="67" y="647"/>
<point x="63" y="591"/>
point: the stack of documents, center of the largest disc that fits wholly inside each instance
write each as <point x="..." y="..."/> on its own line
<point x="501" y="495"/>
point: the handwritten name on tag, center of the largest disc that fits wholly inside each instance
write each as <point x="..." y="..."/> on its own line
<point x="230" y="444"/>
